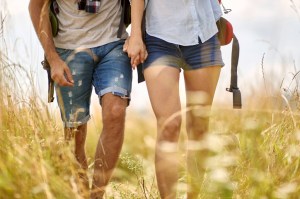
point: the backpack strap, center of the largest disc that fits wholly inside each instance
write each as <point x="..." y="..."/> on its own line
<point x="53" y="18"/>
<point x="227" y="36"/>
<point x="46" y="66"/>
<point x="237" y="99"/>
<point x="121" y="24"/>
<point x="125" y="16"/>
<point x="54" y="27"/>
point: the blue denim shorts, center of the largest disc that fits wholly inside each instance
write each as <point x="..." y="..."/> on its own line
<point x="106" y="68"/>
<point x="192" y="57"/>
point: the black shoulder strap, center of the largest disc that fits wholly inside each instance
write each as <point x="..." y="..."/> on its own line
<point x="125" y="17"/>
<point x="54" y="26"/>
<point x="237" y="99"/>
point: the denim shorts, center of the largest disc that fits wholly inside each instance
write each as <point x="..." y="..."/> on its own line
<point x="106" y="68"/>
<point x="192" y="57"/>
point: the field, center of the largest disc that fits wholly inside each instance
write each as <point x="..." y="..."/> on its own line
<point x="253" y="153"/>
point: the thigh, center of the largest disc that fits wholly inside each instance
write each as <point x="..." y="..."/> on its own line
<point x="201" y="84"/>
<point x="201" y="77"/>
<point x="200" y="88"/>
<point x="163" y="89"/>
<point x="74" y="101"/>
<point x="113" y="73"/>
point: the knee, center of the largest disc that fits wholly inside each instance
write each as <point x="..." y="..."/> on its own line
<point x="169" y="130"/>
<point x="197" y="123"/>
<point x="115" y="113"/>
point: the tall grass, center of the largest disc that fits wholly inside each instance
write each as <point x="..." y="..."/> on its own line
<point x="253" y="153"/>
<point x="35" y="162"/>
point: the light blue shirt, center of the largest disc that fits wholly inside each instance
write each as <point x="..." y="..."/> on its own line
<point x="182" y="22"/>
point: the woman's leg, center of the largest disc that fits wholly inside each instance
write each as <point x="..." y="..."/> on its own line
<point x="200" y="89"/>
<point x="163" y="88"/>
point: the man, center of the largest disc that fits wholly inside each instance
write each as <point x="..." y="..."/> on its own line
<point x="88" y="52"/>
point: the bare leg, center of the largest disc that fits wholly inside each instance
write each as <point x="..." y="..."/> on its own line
<point x="110" y="142"/>
<point x="80" y="136"/>
<point x="163" y="89"/>
<point x="200" y="86"/>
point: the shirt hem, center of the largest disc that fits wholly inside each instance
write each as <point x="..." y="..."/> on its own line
<point x="71" y="47"/>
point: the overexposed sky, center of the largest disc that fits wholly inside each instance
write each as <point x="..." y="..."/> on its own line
<point x="264" y="28"/>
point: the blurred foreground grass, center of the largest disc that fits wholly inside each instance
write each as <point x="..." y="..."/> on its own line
<point x="252" y="153"/>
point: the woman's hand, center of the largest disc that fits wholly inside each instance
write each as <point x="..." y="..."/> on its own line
<point x="136" y="50"/>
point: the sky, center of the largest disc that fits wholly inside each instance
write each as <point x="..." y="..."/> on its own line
<point x="268" y="32"/>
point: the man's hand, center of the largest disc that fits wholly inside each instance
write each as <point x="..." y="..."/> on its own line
<point x="39" y="13"/>
<point x="136" y="50"/>
<point x="60" y="73"/>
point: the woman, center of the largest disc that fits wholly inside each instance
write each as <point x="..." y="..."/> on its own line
<point x="180" y="35"/>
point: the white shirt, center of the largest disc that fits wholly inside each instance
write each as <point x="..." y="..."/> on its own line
<point x="182" y="22"/>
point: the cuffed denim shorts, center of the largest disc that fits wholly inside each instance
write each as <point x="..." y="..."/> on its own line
<point x="192" y="57"/>
<point x="106" y="68"/>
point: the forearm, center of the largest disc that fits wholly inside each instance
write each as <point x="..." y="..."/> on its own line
<point x="39" y="13"/>
<point x="137" y="11"/>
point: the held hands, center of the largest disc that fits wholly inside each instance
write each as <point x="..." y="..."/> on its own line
<point x="60" y="73"/>
<point x="136" y="50"/>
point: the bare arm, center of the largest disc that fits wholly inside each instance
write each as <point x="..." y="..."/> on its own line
<point x="39" y="13"/>
<point x="135" y="47"/>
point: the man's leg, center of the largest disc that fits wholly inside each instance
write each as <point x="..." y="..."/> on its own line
<point x="200" y="87"/>
<point x="110" y="142"/>
<point x="74" y="104"/>
<point x="79" y="135"/>
<point x="163" y="88"/>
